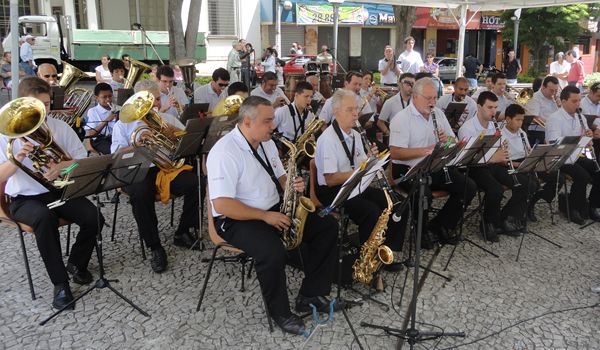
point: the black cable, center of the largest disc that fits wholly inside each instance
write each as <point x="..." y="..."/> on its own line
<point x="523" y="321"/>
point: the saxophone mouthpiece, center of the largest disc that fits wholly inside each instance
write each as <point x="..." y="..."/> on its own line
<point x="396" y="217"/>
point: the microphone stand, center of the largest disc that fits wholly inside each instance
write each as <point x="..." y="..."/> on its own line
<point x="139" y="27"/>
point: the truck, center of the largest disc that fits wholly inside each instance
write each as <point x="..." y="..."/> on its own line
<point x="57" y="41"/>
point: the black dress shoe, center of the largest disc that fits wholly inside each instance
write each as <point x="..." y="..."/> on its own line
<point x="489" y="232"/>
<point x="510" y="227"/>
<point x="290" y="324"/>
<point x="577" y="218"/>
<point x="79" y="276"/>
<point x="562" y="203"/>
<point x="531" y="210"/>
<point x="428" y="239"/>
<point x="159" y="260"/>
<point x="595" y="214"/>
<point x="320" y="302"/>
<point x="62" y="296"/>
<point x="185" y="239"/>
<point x="393" y="267"/>
<point x="445" y="237"/>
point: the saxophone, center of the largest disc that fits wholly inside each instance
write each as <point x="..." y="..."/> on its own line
<point x="305" y="145"/>
<point x="293" y="206"/>
<point x="373" y="252"/>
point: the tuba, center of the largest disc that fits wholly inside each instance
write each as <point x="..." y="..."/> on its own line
<point x="26" y="117"/>
<point x="294" y="207"/>
<point x="136" y="70"/>
<point x="373" y="253"/>
<point x="188" y="71"/>
<point x="160" y="144"/>
<point x="228" y="106"/>
<point x="70" y="76"/>
<point x="78" y="99"/>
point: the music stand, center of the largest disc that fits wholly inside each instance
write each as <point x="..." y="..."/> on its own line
<point x="434" y="162"/>
<point x="590" y="119"/>
<point x="454" y="111"/>
<point x="219" y="127"/>
<point x="58" y="98"/>
<point x="193" y="111"/>
<point x="95" y="175"/>
<point x="190" y="145"/>
<point x="354" y="185"/>
<point x="543" y="158"/>
<point x="363" y="119"/>
<point x="123" y="96"/>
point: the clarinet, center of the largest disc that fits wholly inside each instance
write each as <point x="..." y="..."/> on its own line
<point x="511" y="167"/>
<point x="437" y="139"/>
<point x="589" y="148"/>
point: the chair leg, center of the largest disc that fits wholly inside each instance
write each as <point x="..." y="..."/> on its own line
<point x="172" y="210"/>
<point x="114" y="224"/>
<point x="250" y="268"/>
<point x="26" y="261"/>
<point x="243" y="261"/>
<point x="210" y="266"/>
<point x="68" y="240"/>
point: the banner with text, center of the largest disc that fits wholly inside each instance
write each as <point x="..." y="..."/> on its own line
<point x="323" y="14"/>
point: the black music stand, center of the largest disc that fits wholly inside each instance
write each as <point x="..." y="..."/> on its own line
<point x="453" y="112"/>
<point x="219" y="127"/>
<point x="356" y="183"/>
<point x="124" y="95"/>
<point x="590" y="119"/>
<point x="193" y="111"/>
<point x="545" y="158"/>
<point x="190" y="145"/>
<point x="434" y="162"/>
<point x="58" y="97"/>
<point x="96" y="175"/>
<point x="476" y="152"/>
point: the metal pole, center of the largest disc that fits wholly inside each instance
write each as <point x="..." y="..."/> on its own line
<point x="278" y="28"/>
<point x="335" y="36"/>
<point x="461" y="40"/>
<point x="517" y="36"/>
<point x="14" y="44"/>
<point x="137" y="11"/>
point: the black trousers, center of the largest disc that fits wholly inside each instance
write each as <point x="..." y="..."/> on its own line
<point x="364" y="210"/>
<point x="460" y="190"/>
<point x="33" y="211"/>
<point x="583" y="172"/>
<point x="263" y="243"/>
<point x="101" y="144"/>
<point x="491" y="179"/>
<point x="142" y="195"/>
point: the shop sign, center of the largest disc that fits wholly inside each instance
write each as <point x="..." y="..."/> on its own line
<point x="323" y="14"/>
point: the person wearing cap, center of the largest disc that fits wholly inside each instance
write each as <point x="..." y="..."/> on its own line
<point x="26" y="53"/>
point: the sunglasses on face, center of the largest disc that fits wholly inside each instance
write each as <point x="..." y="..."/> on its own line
<point x="409" y="83"/>
<point x="50" y="75"/>
<point x="223" y="84"/>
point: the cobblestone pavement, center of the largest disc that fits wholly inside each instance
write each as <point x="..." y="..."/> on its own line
<point x="485" y="298"/>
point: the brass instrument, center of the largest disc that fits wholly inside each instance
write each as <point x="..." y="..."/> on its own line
<point x="162" y="146"/>
<point x="26" y="117"/>
<point x="136" y="69"/>
<point x="294" y="207"/>
<point x="78" y="99"/>
<point x="70" y="76"/>
<point x="305" y="144"/>
<point x="188" y="71"/>
<point x="176" y="103"/>
<point x="437" y="139"/>
<point x="524" y="96"/>
<point x="373" y="252"/>
<point x="228" y="106"/>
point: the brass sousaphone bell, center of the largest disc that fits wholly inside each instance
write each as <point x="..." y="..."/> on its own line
<point x="136" y="70"/>
<point x="188" y="71"/>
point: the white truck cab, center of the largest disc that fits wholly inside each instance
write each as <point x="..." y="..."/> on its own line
<point x="47" y="38"/>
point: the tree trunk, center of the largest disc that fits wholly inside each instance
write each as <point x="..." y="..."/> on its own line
<point x="191" y="31"/>
<point x="176" y="37"/>
<point x="405" y="20"/>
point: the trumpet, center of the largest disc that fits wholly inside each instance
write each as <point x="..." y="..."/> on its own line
<point x="176" y="103"/>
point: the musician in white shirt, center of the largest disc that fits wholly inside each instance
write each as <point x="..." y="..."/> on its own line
<point x="173" y="99"/>
<point x="142" y="194"/>
<point x="352" y="82"/>
<point x="567" y="121"/>
<point x="369" y="92"/>
<point x="29" y="200"/>
<point x="392" y="106"/>
<point x="245" y="180"/>
<point x="214" y="91"/>
<point x="543" y="103"/>
<point x="461" y="88"/>
<point x="269" y="90"/>
<point x="499" y="88"/>
<point x="389" y="68"/>
<point x="411" y="61"/>
<point x="101" y="119"/>
<point x="293" y="119"/>
<point x="413" y="136"/>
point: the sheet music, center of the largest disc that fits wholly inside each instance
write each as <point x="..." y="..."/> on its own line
<point x="581" y="145"/>
<point x="367" y="178"/>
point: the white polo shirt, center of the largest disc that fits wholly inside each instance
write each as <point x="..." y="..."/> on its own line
<point x="410" y="129"/>
<point x="556" y="67"/>
<point x="327" y="110"/>
<point x="289" y="124"/>
<point x="97" y="115"/>
<point x="541" y="106"/>
<point x="233" y="172"/>
<point x="469" y="112"/>
<point x="411" y="62"/>
<point x="503" y="102"/>
<point x="518" y="145"/>
<point x="392" y="107"/>
<point x="390" y="77"/>
<point x="179" y="95"/>
<point x="122" y="132"/>
<point x="561" y="124"/>
<point x="589" y="107"/>
<point x="20" y="183"/>
<point x="473" y="128"/>
<point x="205" y="94"/>
<point x="258" y="91"/>
<point x="331" y="156"/>
<point x="373" y="101"/>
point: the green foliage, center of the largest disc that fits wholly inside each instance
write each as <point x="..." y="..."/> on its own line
<point x="590" y="79"/>
<point x="377" y="78"/>
<point x="202" y="80"/>
<point x="525" y="78"/>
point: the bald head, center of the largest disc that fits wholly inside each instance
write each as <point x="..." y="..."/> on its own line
<point x="47" y="72"/>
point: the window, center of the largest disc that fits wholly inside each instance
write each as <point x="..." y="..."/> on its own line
<point x="26" y="7"/>
<point x="222" y="16"/>
<point x="153" y="14"/>
<point x="81" y="13"/>
<point x="32" y="28"/>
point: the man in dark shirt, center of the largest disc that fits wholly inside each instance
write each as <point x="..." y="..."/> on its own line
<point x="5" y="71"/>
<point x="512" y="68"/>
<point x="473" y="68"/>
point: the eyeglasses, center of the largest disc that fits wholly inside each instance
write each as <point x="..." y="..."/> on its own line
<point x="429" y="98"/>
<point x="50" y="75"/>
<point x="409" y="83"/>
<point x="223" y="84"/>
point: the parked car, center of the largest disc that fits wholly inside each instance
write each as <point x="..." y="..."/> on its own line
<point x="447" y="68"/>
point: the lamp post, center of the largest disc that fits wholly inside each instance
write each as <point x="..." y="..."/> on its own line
<point x="336" y="5"/>
<point x="516" y="18"/>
